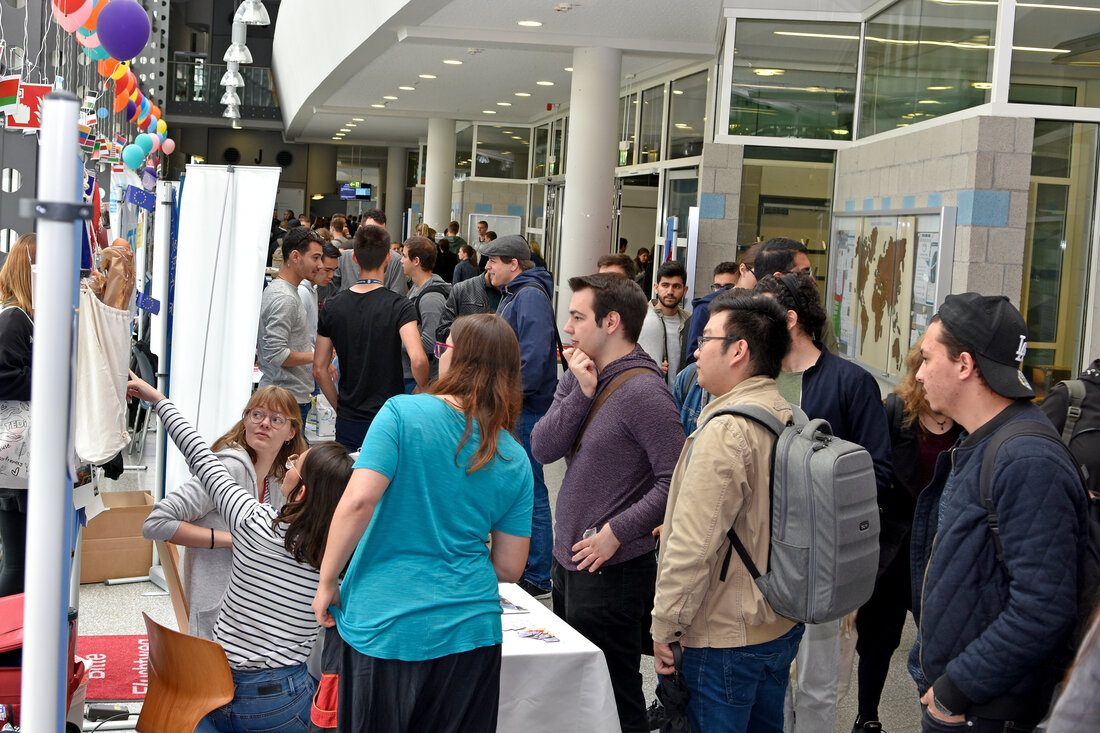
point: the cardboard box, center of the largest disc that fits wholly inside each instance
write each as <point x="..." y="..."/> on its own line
<point x="113" y="545"/>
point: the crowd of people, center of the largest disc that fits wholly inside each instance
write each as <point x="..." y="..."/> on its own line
<point x="451" y="394"/>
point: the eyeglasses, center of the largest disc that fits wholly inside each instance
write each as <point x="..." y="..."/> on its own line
<point x="290" y="461"/>
<point x="257" y="416"/>
<point x="731" y="339"/>
<point x="441" y="349"/>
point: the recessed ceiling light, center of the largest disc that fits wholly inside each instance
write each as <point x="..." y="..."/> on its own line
<point x="337" y="137"/>
<point x="523" y="94"/>
<point x="569" y="68"/>
<point x="351" y="124"/>
<point x="530" y="23"/>
<point x="504" y="104"/>
<point x="981" y="85"/>
<point x="407" y="89"/>
<point x="427" y="76"/>
<point x="939" y="89"/>
<point x="488" y="111"/>
<point x="545" y="83"/>
<point x="840" y="131"/>
<point x="344" y="129"/>
<point x="769" y="72"/>
<point x="677" y="91"/>
<point x="388" y="96"/>
<point x="378" y="106"/>
<point x="356" y="119"/>
<point x="452" y="62"/>
<point x="929" y="101"/>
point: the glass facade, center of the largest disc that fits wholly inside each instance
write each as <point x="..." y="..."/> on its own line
<point x="628" y="118"/>
<point x="501" y="151"/>
<point x="924" y="59"/>
<point x="1061" y="202"/>
<point x="652" y="113"/>
<point x="464" y="142"/>
<point x="1054" y="51"/>
<point x="542" y="138"/>
<point x="794" y="79"/>
<point x="687" y="115"/>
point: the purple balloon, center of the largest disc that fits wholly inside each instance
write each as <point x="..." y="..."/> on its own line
<point x="131" y="108"/>
<point x="123" y="29"/>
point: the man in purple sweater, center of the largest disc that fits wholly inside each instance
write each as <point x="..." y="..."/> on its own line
<point x="620" y="455"/>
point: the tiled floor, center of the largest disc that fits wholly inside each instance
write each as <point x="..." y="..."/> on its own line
<point x="117" y="610"/>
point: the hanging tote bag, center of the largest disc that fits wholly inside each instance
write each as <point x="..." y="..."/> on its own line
<point x="102" y="368"/>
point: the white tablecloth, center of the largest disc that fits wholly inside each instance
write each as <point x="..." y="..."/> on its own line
<point x="551" y="686"/>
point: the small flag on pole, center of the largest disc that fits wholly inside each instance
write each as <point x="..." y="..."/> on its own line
<point x="87" y="142"/>
<point x="9" y="93"/>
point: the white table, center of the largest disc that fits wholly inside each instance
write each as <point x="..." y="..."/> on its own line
<point x="549" y="687"/>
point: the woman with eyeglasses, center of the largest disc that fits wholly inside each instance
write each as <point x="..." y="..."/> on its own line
<point x="265" y="624"/>
<point x="418" y="611"/>
<point x="255" y="452"/>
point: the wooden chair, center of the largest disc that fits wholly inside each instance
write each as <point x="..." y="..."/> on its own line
<point x="170" y="564"/>
<point x="188" y="678"/>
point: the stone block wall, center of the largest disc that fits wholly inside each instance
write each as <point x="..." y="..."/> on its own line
<point x="981" y="165"/>
<point x="719" y="208"/>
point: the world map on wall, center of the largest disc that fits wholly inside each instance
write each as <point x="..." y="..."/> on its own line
<point x="883" y="307"/>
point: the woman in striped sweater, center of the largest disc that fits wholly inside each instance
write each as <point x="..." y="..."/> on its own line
<point x="266" y="624"/>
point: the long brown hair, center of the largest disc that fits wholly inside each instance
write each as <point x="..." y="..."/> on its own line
<point x="484" y="378"/>
<point x="326" y="470"/>
<point x="15" y="277"/>
<point x="276" y="399"/>
<point x="910" y="390"/>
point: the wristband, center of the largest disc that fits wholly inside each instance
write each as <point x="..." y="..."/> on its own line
<point x="211" y="538"/>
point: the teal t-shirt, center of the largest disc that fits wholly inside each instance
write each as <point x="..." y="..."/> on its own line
<point x="420" y="585"/>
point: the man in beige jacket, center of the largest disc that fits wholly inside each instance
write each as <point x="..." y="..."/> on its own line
<point x="737" y="650"/>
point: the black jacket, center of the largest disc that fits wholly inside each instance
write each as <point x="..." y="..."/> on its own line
<point x="16" y="337"/>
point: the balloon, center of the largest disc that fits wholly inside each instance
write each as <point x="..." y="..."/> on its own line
<point x="131" y="109"/>
<point x="162" y="126"/>
<point x="146" y="108"/>
<point x="90" y="41"/>
<point x="123" y="28"/>
<point x="71" y="14"/>
<point x="132" y="77"/>
<point x="156" y="112"/>
<point x="121" y="101"/>
<point x="145" y="142"/>
<point x="105" y="67"/>
<point x="156" y="143"/>
<point x="168" y="146"/>
<point x="162" y="136"/>
<point x="93" y="20"/>
<point x="102" y="112"/>
<point x="96" y="54"/>
<point x="120" y="70"/>
<point x="144" y="124"/>
<point x="133" y="156"/>
<point x="135" y="95"/>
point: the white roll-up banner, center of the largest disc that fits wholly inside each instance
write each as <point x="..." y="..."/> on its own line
<point x="224" y="229"/>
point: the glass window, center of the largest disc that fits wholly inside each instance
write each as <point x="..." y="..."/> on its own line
<point x="1054" y="43"/>
<point x="542" y="137"/>
<point x="686" y="115"/>
<point x="536" y="206"/>
<point x="628" y="116"/>
<point x="1056" y="254"/>
<point x="925" y="59"/>
<point x="412" y="169"/>
<point x="652" y="112"/>
<point x="794" y="79"/>
<point x="502" y="151"/>
<point x="557" y="167"/>
<point x="464" y="141"/>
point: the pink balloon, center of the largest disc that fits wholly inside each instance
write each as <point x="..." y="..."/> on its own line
<point x="168" y="146"/>
<point x="71" y="21"/>
<point x="91" y="41"/>
<point x="156" y="143"/>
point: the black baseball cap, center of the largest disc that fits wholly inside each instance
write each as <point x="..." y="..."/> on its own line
<point x="991" y="329"/>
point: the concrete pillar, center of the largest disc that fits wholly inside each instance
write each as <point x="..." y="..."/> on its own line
<point x="320" y="173"/>
<point x="590" y="165"/>
<point x="439" y="173"/>
<point x="397" y="161"/>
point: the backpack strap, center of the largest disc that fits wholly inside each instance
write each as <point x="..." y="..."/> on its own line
<point x="1076" y="390"/>
<point x="762" y="417"/>
<point x="1012" y="429"/>
<point x="557" y="338"/>
<point x="619" y="380"/>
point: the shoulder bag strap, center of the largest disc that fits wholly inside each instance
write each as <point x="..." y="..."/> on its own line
<point x="1076" y="390"/>
<point x="557" y="338"/>
<point x="602" y="397"/>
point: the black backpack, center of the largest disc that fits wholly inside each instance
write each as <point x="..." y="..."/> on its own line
<point x="1081" y="431"/>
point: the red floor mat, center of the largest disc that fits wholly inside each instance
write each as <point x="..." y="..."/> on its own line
<point x="116" y="666"/>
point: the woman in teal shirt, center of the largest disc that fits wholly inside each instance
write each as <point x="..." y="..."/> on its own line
<point x="418" y="609"/>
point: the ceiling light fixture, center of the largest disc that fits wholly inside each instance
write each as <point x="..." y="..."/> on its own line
<point x="530" y="23"/>
<point x="337" y="137"/>
<point x="769" y="72"/>
<point x="523" y="94"/>
<point x="389" y="96"/>
<point x="981" y="84"/>
<point x="452" y="62"/>
<point x="407" y="89"/>
<point x="232" y="76"/>
<point x="840" y="131"/>
<point x="569" y="69"/>
<point x="677" y="91"/>
<point x="427" y="76"/>
<point x="504" y="104"/>
<point x="545" y="83"/>
<point x="488" y="111"/>
<point x="378" y="106"/>
<point x="252" y="12"/>
<point x="344" y="129"/>
<point x="939" y="89"/>
<point x="350" y="124"/>
<point x="237" y="51"/>
<point x="230" y="96"/>
<point x="356" y="119"/>
<point x="929" y="101"/>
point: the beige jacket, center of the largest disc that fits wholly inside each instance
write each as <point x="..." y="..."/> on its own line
<point x="722" y="478"/>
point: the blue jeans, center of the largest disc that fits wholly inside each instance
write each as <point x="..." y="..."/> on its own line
<point x="350" y="433"/>
<point x="264" y="700"/>
<point x="740" y="689"/>
<point x="541" y="553"/>
<point x="304" y="408"/>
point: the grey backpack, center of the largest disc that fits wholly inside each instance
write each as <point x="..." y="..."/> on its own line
<point x="823" y="557"/>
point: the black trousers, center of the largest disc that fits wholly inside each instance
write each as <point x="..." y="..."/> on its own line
<point x="611" y="608"/>
<point x="13" y="536"/>
<point x="457" y="693"/>
<point x="879" y="624"/>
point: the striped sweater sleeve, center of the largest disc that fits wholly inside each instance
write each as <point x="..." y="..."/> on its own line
<point x="233" y="502"/>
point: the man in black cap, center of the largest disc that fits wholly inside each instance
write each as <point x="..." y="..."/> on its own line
<point x="995" y="596"/>
<point x="525" y="303"/>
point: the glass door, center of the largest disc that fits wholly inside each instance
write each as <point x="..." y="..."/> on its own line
<point x="681" y="192"/>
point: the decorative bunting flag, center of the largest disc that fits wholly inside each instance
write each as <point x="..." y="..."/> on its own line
<point x="87" y="142"/>
<point x="27" y="114"/>
<point x="140" y="197"/>
<point x="97" y="149"/>
<point x="9" y="93"/>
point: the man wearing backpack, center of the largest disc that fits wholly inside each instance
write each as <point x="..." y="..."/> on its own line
<point x="526" y="305"/>
<point x="429" y="295"/>
<point x="995" y="586"/>
<point x="737" y="651"/>
<point x="1073" y="406"/>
